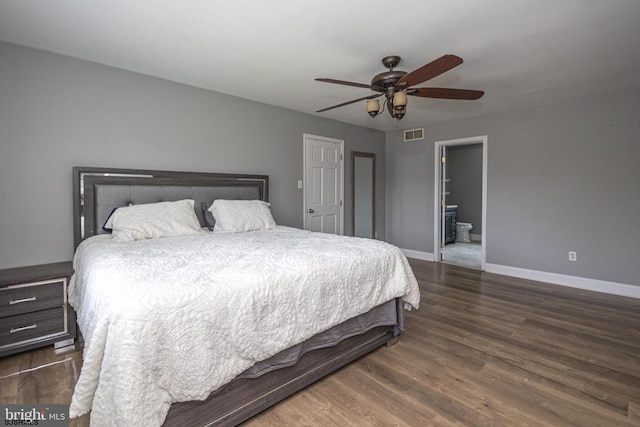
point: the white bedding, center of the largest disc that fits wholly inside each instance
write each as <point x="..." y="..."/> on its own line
<point x="156" y="313"/>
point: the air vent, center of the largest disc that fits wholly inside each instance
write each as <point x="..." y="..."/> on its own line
<point x="414" y="134"/>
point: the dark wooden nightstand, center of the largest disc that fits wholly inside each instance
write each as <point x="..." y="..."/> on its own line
<point x="34" y="311"/>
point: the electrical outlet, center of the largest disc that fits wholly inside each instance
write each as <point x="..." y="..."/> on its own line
<point x="572" y="256"/>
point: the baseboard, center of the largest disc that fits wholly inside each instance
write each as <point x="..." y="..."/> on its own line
<point x="475" y="237"/>
<point x="612" y="288"/>
<point x="603" y="286"/>
<point x="425" y="256"/>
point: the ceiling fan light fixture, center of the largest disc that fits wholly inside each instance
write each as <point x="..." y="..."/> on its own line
<point x="373" y="107"/>
<point x="400" y="101"/>
<point x="398" y="113"/>
<point x="396" y="85"/>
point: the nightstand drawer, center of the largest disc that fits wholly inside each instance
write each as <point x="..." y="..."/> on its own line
<point x="33" y="307"/>
<point x="25" y="327"/>
<point x="30" y="297"/>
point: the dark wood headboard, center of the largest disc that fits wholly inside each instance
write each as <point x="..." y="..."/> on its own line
<point x="97" y="191"/>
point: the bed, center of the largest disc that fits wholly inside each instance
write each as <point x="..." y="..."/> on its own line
<point x="213" y="327"/>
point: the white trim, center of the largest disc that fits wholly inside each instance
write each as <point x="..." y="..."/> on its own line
<point x="340" y="143"/>
<point x="425" y="256"/>
<point x="436" y="183"/>
<point x="613" y="288"/>
<point x="475" y="237"/>
<point x="593" y="285"/>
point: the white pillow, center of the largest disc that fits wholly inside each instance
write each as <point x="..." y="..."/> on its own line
<point x="241" y="215"/>
<point x="151" y="220"/>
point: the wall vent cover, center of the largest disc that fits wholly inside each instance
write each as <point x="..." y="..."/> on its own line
<point x="414" y="134"/>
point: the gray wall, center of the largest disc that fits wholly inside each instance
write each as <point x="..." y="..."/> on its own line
<point x="560" y="178"/>
<point x="464" y="169"/>
<point x="57" y="112"/>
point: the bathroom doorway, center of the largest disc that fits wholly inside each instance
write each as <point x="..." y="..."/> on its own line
<point x="460" y="202"/>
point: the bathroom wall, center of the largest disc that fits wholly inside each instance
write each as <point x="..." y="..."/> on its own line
<point x="464" y="169"/>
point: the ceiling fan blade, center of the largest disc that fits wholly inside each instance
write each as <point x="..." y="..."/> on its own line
<point x="429" y="71"/>
<point x="342" y="82"/>
<point x="445" y="93"/>
<point x="350" y="102"/>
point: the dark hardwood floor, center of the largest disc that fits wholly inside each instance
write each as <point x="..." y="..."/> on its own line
<point x="483" y="350"/>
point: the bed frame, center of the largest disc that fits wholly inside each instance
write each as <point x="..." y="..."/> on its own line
<point x="97" y="191"/>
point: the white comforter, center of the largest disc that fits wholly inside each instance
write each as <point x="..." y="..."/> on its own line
<point x="173" y="319"/>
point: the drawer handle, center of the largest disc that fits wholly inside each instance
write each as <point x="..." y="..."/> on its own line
<point x="18" y="301"/>
<point x="23" y="328"/>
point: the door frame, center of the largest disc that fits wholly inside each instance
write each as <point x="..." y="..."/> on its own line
<point x="340" y="143"/>
<point x="437" y="253"/>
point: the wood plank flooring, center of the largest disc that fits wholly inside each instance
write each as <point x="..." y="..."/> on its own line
<point x="483" y="350"/>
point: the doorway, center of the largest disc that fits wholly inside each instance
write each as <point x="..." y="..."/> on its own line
<point x="456" y="244"/>
<point x="323" y="184"/>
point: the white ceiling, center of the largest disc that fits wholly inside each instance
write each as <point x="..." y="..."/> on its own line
<point x="522" y="53"/>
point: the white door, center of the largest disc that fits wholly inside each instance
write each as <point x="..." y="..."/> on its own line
<point x="323" y="184"/>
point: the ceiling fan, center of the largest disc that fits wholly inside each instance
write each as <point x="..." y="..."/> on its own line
<point x="395" y="85"/>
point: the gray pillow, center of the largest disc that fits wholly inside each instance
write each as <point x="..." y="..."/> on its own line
<point x="208" y="216"/>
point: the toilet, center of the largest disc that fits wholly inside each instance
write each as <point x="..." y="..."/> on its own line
<point x="462" y="232"/>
